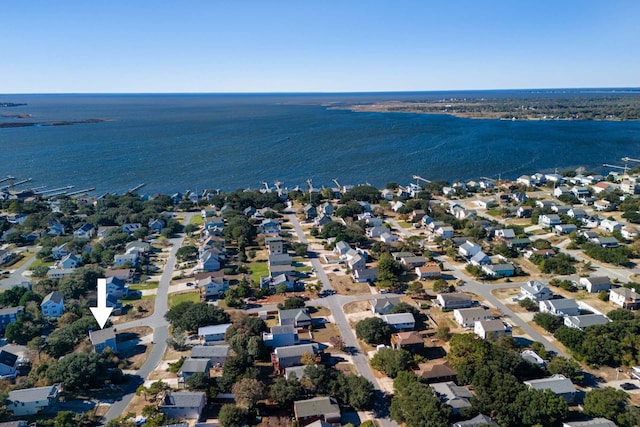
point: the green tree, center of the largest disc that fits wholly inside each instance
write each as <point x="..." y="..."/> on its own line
<point x="567" y="367"/>
<point x="187" y="253"/>
<point x="392" y="361"/>
<point x="548" y="321"/>
<point x="285" y="391"/>
<point x="528" y="304"/>
<point x="197" y="381"/>
<point x="415" y="404"/>
<point x="605" y="402"/>
<point x="373" y="330"/>
<point x="292" y="303"/>
<point x="190" y="316"/>
<point x="63" y="419"/>
<point x="232" y="416"/>
<point x="247" y="392"/>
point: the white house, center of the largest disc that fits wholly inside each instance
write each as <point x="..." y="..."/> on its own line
<point x="535" y="291"/>
<point x="428" y="271"/>
<point x="213" y="287"/>
<point x="454" y="300"/>
<point x="625" y="298"/>
<point x="467" y="317"/>
<point x="469" y="249"/>
<point x="214" y="333"/>
<point x="52" y="305"/>
<point x="558" y="384"/>
<point x="629" y="232"/>
<point x="388" y="237"/>
<point x="399" y="321"/>
<point x="596" y="284"/>
<point x="30" y="401"/>
<point x="549" y="220"/>
<point x="183" y="405"/>
<point x="560" y="307"/>
<point x="584" y="321"/>
<point x="491" y="329"/>
<point x="610" y="225"/>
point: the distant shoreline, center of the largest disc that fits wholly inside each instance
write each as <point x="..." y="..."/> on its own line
<point x="56" y="123"/>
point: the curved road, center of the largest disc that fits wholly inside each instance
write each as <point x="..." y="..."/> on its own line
<point x="160" y="331"/>
<point x="17" y="276"/>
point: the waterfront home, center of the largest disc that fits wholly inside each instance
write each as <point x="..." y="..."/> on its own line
<point x="558" y="384"/>
<point x="192" y="366"/>
<point x="625" y="298"/>
<point x="9" y="315"/>
<point x="85" y="232"/>
<point x="30" y="401"/>
<point x="596" y="284"/>
<point x="410" y="341"/>
<point x="535" y="291"/>
<point x="491" y="329"/>
<point x="183" y="404"/>
<point x="215" y="354"/>
<point x="584" y="321"/>
<point x="428" y="271"/>
<point x="323" y="408"/>
<point x="467" y="317"/>
<point x="281" y="336"/>
<point x="454" y="300"/>
<point x="399" y="321"/>
<point x="298" y="317"/>
<point x="8" y="365"/>
<point x="103" y="339"/>
<point x="284" y="357"/>
<point x="214" y="333"/>
<point x="560" y="307"/>
<point x="52" y="305"/>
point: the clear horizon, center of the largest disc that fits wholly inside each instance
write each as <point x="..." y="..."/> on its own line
<point x="284" y="46"/>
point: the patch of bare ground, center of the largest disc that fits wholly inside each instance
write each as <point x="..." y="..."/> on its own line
<point x="585" y="297"/>
<point x="345" y="286"/>
<point x="170" y="354"/>
<point x="532" y="270"/>
<point x="442" y="319"/>
<point x="322" y="333"/>
<point x="135" y="309"/>
<point x="137" y="403"/>
<point x="504" y="293"/>
<point x="356" y="307"/>
<point x="320" y="312"/>
<point x="346" y="368"/>
<point x="132" y="333"/>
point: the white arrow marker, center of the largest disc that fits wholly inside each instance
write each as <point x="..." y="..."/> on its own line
<point x="102" y="312"/>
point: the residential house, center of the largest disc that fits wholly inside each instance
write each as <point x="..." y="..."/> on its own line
<point x="341" y="248"/>
<point x="138" y="247"/>
<point x="375" y="232"/>
<point x="399" y="321"/>
<point x="410" y="341"/>
<point x="505" y="234"/>
<point x="629" y="233"/>
<point x="275" y="282"/>
<point x="491" y="329"/>
<point x="397" y="206"/>
<point x="524" y="212"/>
<point x="85" y="232"/>
<point x="545" y="253"/>
<point x="428" y="271"/>
<point x="275" y="245"/>
<point x="214" y="333"/>
<point x="213" y="287"/>
<point x="606" y="242"/>
<point x="357" y="263"/>
<point x="603" y="205"/>
<point x="210" y="261"/>
<point x="413" y="261"/>
<point x="625" y="298"/>
<point x="388" y="237"/>
<point x="281" y="336"/>
<point x="457" y="397"/>
<point x="191" y="366"/>
<point x="417" y="215"/>
<point x="596" y="284"/>
<point x="52" y="306"/>
<point x="156" y="225"/>
<point x="384" y="305"/>
<point x="322" y="408"/>
<point x="480" y="259"/>
<point x="533" y="358"/>
<point x="326" y="209"/>
<point x="399" y="255"/>
<point x="130" y="259"/>
<point x="215" y="354"/>
<point x="594" y="422"/>
<point x="467" y="317"/>
<point x="103" y="339"/>
<point x="9" y="315"/>
<point x="116" y="287"/>
<point x="535" y="291"/>
<point x="183" y="404"/>
<point x="69" y="261"/>
<point x="437" y="373"/>
<point x="310" y="212"/>
<point x="562" y="190"/>
<point x="560" y="307"/>
<point x="469" y="249"/>
<point x="8" y="365"/>
<point x="454" y="300"/>
<point x="549" y="220"/>
<point x="30" y="401"/>
<point x="365" y="275"/>
<point x="321" y="220"/>
<point x="577" y="213"/>
<point x="584" y="321"/>
<point x="130" y="228"/>
<point x="561" y="229"/>
<point x="545" y="204"/>
<point x="284" y="357"/>
<point x="558" y="384"/>
<point x="280" y="259"/>
<point x="480" y="420"/>
<point x="59" y="273"/>
<point x="104" y="230"/>
<point x="59" y="252"/>
<point x="269" y="226"/>
<point x="112" y="302"/>
<point x="499" y="270"/>
<point x="56" y="228"/>
<point x="446" y="232"/>
<point x="609" y="225"/>
<point x="298" y="317"/>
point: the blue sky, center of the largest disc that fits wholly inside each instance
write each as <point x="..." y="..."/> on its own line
<point x="308" y="46"/>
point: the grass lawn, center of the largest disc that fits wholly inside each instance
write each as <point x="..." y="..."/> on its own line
<point x="197" y="220"/>
<point x="258" y="269"/>
<point x="144" y="286"/>
<point x="37" y="263"/>
<point x="304" y="269"/>
<point x="405" y="224"/>
<point x="177" y="298"/>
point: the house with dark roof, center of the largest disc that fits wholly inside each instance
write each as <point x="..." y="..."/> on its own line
<point x="596" y="284"/>
<point x="284" y="357"/>
<point x="30" y="401"/>
<point x="85" y="232"/>
<point x="625" y="298"/>
<point x="9" y="315"/>
<point x="437" y="373"/>
<point x="298" y="317"/>
<point x="323" y="408"/>
<point x="191" y="366"/>
<point x="183" y="404"/>
<point x="560" y="307"/>
<point x="584" y="321"/>
<point x="477" y="421"/>
<point x="216" y="354"/>
<point x="117" y="287"/>
<point x="384" y="305"/>
<point x="8" y="365"/>
<point x="410" y="341"/>
<point x="455" y="396"/>
<point x="52" y="306"/>
<point x="558" y="384"/>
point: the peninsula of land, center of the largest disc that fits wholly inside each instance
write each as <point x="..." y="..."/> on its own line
<point x="56" y="123"/>
<point x="609" y="108"/>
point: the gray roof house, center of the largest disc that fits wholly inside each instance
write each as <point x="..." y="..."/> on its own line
<point x="594" y="422"/>
<point x="30" y="401"/>
<point x="213" y="333"/>
<point x="8" y="364"/>
<point x="477" y="421"/>
<point x="187" y="405"/>
<point x="284" y="357"/>
<point x="400" y="321"/>
<point x="596" y="284"/>
<point x="384" y="305"/>
<point x="216" y="354"/>
<point x="52" y="306"/>
<point x="281" y="336"/>
<point x="535" y="291"/>
<point x="558" y="384"/>
<point x="103" y="339"/>
<point x="298" y="317"/>
<point x="319" y="408"/>
<point x="586" y="320"/>
<point x="560" y="307"/>
<point x="453" y="395"/>
<point x="454" y="300"/>
<point x="191" y="366"/>
<point x="467" y="317"/>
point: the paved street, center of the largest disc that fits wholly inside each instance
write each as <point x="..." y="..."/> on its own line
<point x="17" y="275"/>
<point x="160" y="331"/>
